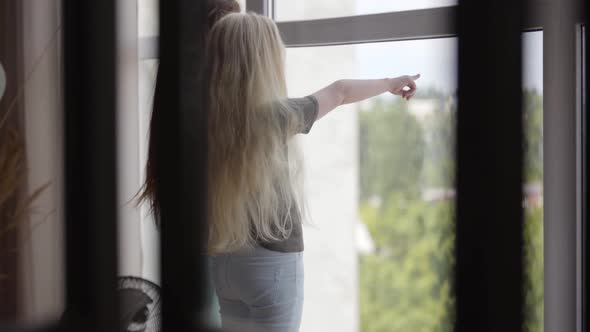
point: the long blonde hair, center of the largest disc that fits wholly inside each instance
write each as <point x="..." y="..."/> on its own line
<point x="254" y="168"/>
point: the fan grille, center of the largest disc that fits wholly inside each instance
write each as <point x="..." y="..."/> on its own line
<point x="141" y="309"/>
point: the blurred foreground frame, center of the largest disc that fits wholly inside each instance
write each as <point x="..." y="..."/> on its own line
<point x="489" y="242"/>
<point x="97" y="27"/>
<point x="90" y="82"/>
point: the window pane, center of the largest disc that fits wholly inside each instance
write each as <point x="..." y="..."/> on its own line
<point x="533" y="226"/>
<point x="379" y="177"/>
<point x="380" y="189"/>
<point x="289" y="10"/>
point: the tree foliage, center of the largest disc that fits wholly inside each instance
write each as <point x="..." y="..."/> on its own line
<point x="392" y="149"/>
<point x="406" y="283"/>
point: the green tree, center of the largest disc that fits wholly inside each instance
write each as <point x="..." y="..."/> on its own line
<point x="533" y="226"/>
<point x="533" y="282"/>
<point x="405" y="285"/>
<point x="533" y="122"/>
<point x="439" y="162"/>
<point x="391" y="149"/>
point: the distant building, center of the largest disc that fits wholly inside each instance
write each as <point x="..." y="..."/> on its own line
<point x="437" y="194"/>
<point x="423" y="108"/>
<point x="533" y="193"/>
<point x="364" y="242"/>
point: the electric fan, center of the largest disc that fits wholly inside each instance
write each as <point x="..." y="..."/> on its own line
<point x="140" y="309"/>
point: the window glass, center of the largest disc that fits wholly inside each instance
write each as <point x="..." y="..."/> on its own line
<point x="533" y="187"/>
<point x="380" y="189"/>
<point x="379" y="179"/>
<point x="289" y="10"/>
<point x="379" y="182"/>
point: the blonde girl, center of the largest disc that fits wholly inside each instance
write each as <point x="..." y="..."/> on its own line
<point x="255" y="204"/>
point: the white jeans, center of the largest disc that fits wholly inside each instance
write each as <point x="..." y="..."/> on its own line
<point x="259" y="290"/>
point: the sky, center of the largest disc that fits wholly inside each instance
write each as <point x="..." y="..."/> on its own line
<point x="436" y="61"/>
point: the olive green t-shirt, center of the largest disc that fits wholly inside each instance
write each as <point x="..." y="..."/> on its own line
<point x="308" y="106"/>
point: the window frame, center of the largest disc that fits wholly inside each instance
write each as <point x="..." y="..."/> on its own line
<point x="584" y="124"/>
<point x="564" y="281"/>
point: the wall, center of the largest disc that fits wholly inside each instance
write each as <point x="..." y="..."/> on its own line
<point x="42" y="237"/>
<point x="331" y="178"/>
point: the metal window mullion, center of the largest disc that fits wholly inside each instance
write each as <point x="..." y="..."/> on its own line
<point x="90" y="164"/>
<point x="560" y="168"/>
<point x="489" y="261"/>
<point x="182" y="163"/>
<point x="585" y="174"/>
<point x="580" y="179"/>
<point x="415" y="24"/>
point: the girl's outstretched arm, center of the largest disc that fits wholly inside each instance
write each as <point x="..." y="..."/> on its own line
<point x="351" y="91"/>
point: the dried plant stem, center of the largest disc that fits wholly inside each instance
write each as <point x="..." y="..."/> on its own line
<point x="14" y="207"/>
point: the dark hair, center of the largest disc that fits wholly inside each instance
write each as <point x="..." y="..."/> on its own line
<point x="219" y="8"/>
<point x="216" y="9"/>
